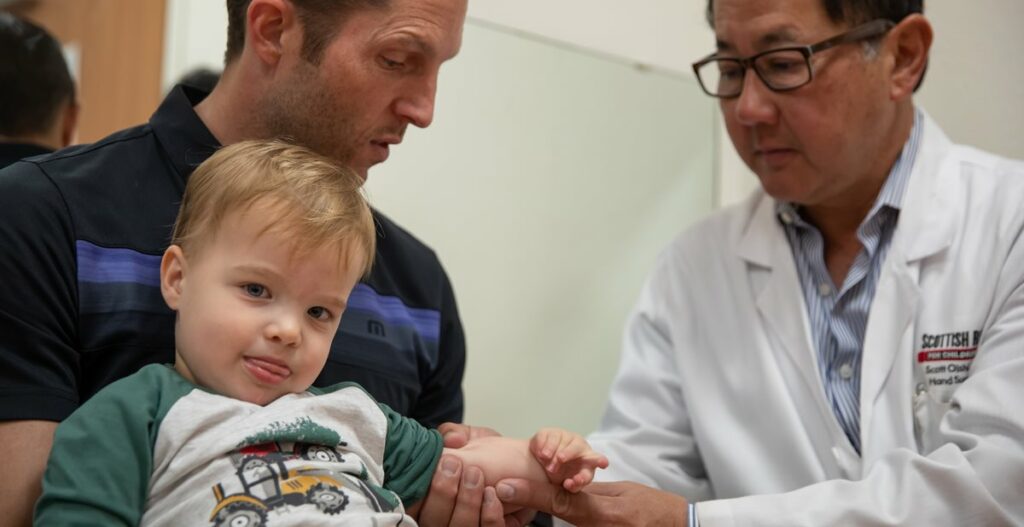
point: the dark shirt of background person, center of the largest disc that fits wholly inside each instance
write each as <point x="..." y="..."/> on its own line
<point x="203" y="78"/>
<point x="38" y="107"/>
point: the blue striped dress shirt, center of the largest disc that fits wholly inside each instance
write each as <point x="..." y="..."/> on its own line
<point x="839" y="315"/>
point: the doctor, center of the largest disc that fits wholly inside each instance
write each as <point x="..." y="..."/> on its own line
<point x="847" y="346"/>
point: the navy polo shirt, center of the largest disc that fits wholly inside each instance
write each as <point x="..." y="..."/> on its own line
<point x="11" y="152"/>
<point x="82" y="232"/>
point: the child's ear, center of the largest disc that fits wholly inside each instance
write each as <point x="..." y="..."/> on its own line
<point x="172" y="275"/>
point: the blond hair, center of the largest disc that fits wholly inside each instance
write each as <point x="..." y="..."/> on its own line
<point x="314" y="199"/>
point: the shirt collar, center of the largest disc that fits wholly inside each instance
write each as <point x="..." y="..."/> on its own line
<point x="183" y="136"/>
<point x="11" y="152"/>
<point x="891" y="194"/>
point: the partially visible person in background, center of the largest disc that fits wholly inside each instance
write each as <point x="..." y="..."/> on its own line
<point x="202" y="78"/>
<point x="38" y="108"/>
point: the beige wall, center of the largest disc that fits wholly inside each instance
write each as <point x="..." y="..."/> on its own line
<point x="975" y="82"/>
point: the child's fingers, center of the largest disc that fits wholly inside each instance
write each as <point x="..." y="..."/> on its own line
<point x="595" y="460"/>
<point x="572" y="447"/>
<point x="537" y="444"/>
<point x="554" y="464"/>
<point x="561" y="452"/>
<point x="541" y="445"/>
<point x="551" y="440"/>
<point x="579" y="480"/>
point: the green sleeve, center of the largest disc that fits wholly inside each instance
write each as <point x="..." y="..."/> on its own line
<point x="411" y="452"/>
<point x="102" y="457"/>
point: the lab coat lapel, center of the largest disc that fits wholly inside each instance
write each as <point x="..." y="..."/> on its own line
<point x="775" y="283"/>
<point x="926" y="226"/>
<point x="889" y="334"/>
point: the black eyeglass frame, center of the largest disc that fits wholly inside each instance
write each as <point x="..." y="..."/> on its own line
<point x="865" y="31"/>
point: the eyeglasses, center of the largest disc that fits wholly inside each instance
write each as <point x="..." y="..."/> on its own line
<point x="780" y="69"/>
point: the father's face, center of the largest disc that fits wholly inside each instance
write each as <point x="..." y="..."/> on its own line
<point x="377" y="76"/>
<point x="814" y="144"/>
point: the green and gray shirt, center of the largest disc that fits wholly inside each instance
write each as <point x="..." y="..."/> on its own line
<point x="154" y="449"/>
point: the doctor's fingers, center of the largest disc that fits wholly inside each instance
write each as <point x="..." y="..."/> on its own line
<point x="581" y="509"/>
<point x="519" y="518"/>
<point x="618" y="504"/>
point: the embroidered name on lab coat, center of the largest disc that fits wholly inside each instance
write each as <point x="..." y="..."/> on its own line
<point x="946" y="357"/>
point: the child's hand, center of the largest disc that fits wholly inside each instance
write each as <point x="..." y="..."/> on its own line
<point x="566" y="457"/>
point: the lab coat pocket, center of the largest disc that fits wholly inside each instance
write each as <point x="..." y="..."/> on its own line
<point x="929" y="407"/>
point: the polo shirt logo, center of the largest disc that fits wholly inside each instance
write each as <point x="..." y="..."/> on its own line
<point x="375" y="327"/>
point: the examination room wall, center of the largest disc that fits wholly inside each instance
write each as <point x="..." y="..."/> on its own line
<point x="973" y="86"/>
<point x="547" y="261"/>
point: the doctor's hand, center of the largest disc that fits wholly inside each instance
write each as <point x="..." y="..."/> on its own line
<point x="621" y="504"/>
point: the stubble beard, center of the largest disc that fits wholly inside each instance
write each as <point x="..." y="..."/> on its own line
<point x="300" y="111"/>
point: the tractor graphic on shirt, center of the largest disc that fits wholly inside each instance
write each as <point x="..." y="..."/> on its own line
<point x="268" y="483"/>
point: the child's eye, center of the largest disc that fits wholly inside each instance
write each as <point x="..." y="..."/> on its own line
<point x="255" y="290"/>
<point x="319" y="313"/>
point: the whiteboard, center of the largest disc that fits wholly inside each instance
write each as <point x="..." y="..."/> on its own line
<point x="548" y="183"/>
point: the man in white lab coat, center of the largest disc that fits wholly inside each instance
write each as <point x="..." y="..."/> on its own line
<point x="846" y="347"/>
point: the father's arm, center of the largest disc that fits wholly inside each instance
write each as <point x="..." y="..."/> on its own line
<point x="38" y="306"/>
<point x="28" y="445"/>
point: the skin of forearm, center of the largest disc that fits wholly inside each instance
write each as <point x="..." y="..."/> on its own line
<point x="500" y="458"/>
<point x="31" y="441"/>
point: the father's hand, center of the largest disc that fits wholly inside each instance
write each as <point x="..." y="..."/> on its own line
<point x="456" y="435"/>
<point x="458" y="497"/>
<point x="606" y="504"/>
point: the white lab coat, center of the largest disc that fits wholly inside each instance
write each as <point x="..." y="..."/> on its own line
<point x="718" y="395"/>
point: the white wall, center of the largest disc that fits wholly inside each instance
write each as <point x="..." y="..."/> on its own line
<point x="670" y="34"/>
<point x="196" y="36"/>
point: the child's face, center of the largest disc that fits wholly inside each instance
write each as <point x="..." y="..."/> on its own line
<point x="255" y="319"/>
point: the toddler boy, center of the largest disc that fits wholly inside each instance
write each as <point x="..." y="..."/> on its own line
<point x="270" y="240"/>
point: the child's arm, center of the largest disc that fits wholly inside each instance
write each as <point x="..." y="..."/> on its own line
<point x="568" y="455"/>
<point x="494" y="456"/>
<point x="99" y="466"/>
<point x="552" y="455"/>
